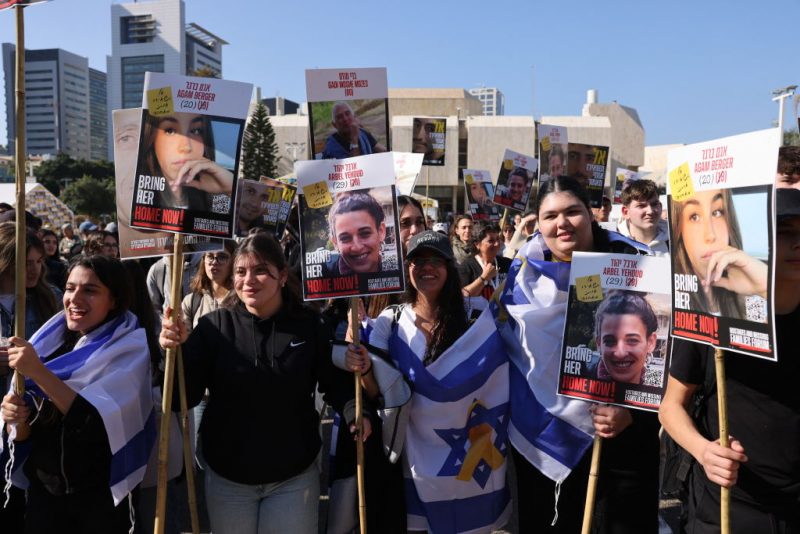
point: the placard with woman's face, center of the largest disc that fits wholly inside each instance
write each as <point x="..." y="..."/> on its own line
<point x="188" y="157"/>
<point x="349" y="234"/>
<point x="617" y="330"/>
<point x="722" y="241"/>
<point x="480" y="190"/>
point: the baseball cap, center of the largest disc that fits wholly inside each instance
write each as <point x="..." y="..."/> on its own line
<point x="111" y="227"/>
<point x="440" y="227"/>
<point x="87" y="226"/>
<point x="787" y="202"/>
<point x="430" y="240"/>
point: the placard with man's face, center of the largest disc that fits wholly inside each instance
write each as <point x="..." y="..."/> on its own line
<point x="428" y="138"/>
<point x="515" y="180"/>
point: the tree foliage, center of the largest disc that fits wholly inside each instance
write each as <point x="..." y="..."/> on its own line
<point x="791" y="137"/>
<point x="91" y="196"/>
<point x="259" y="149"/>
<point x="56" y="173"/>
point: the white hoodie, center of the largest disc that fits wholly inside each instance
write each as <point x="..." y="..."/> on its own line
<point x="659" y="245"/>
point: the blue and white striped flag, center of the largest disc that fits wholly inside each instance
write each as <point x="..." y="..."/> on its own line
<point x="110" y="368"/>
<point x="455" y="446"/>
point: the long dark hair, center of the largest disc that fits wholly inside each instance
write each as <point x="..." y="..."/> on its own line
<point x="263" y="246"/>
<point x="450" y="316"/>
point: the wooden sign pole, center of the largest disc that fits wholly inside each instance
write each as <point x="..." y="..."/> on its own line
<point x="362" y="505"/>
<point x="722" y="403"/>
<point x="591" y="488"/>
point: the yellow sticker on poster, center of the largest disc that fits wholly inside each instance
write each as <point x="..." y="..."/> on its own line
<point x="680" y="183"/>
<point x="546" y="146"/>
<point x="588" y="288"/>
<point x="159" y="101"/>
<point x="317" y="195"/>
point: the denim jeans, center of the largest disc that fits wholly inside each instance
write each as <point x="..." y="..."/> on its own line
<point x="287" y="506"/>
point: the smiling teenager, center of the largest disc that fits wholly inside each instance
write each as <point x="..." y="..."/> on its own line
<point x="261" y="359"/>
<point x="628" y="489"/>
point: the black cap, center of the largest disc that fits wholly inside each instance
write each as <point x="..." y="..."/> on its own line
<point x="787" y="203"/>
<point x="430" y="240"/>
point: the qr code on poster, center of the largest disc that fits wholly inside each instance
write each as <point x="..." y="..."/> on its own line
<point x="755" y="308"/>
<point x="220" y="204"/>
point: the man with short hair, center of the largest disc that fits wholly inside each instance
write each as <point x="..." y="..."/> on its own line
<point x="601" y="214"/>
<point x="350" y="139"/>
<point x="788" y="167"/>
<point x="641" y="216"/>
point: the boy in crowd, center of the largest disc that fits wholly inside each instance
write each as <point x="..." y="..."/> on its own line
<point x="641" y="216"/>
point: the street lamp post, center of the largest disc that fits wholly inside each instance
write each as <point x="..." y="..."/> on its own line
<point x="781" y="95"/>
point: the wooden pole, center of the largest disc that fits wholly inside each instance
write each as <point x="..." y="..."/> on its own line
<point x="722" y="403"/>
<point x="591" y="488"/>
<point x="362" y="504"/>
<point x="188" y="457"/>
<point x="503" y="220"/>
<point x="166" y="399"/>
<point x="427" y="186"/>
<point x="19" y="162"/>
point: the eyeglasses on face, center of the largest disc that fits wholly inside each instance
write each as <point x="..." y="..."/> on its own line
<point x="433" y="261"/>
<point x="219" y="258"/>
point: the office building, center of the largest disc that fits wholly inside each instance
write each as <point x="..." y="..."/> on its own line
<point x="493" y="100"/>
<point x="153" y="36"/>
<point x="57" y="101"/>
<point x="98" y="115"/>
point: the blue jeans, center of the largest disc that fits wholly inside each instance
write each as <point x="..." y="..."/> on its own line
<point x="287" y="506"/>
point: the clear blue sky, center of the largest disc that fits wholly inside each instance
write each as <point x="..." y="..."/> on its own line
<point x="693" y="70"/>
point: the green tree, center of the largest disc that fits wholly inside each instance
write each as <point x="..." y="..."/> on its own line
<point x="91" y="196"/>
<point x="259" y="149"/>
<point x="56" y="173"/>
<point x="791" y="137"/>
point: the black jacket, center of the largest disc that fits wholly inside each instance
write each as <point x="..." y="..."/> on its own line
<point x="260" y="424"/>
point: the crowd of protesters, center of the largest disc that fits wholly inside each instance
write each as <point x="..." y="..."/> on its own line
<point x="256" y="355"/>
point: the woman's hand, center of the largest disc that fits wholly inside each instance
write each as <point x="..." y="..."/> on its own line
<point x="609" y="421"/>
<point x="14" y="410"/>
<point x="22" y="357"/>
<point x="173" y="333"/>
<point x="357" y="360"/>
<point x="366" y="429"/>
<point x="205" y="175"/>
<point x="745" y="274"/>
<point x="489" y="271"/>
<point x="722" y="464"/>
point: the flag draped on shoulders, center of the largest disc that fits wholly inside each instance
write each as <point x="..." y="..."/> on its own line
<point x="110" y="369"/>
<point x="550" y="431"/>
<point x="455" y="444"/>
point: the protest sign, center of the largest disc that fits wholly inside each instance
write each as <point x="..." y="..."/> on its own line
<point x="587" y="164"/>
<point x="622" y="179"/>
<point x="479" y="188"/>
<point x="126" y="124"/>
<point x="188" y="157"/>
<point x="428" y="138"/>
<point x="406" y="171"/>
<point x="348" y="112"/>
<point x="553" y="149"/>
<point x="263" y="204"/>
<point x="349" y="235"/>
<point x="617" y="329"/>
<point x="515" y="180"/>
<point x="721" y="197"/>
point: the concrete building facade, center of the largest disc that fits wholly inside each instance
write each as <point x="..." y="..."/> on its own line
<point x="98" y="114"/>
<point x="57" y="101"/>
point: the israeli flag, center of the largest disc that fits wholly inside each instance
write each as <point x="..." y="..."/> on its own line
<point x="110" y="368"/>
<point x="455" y="445"/>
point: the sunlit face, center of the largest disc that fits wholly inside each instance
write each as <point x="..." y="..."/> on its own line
<point x="87" y="301"/>
<point x="508" y="233"/>
<point x="787" y="249"/>
<point x="343" y="118"/>
<point x="50" y="245"/>
<point x="464" y="230"/>
<point x="34" y="262"/>
<point x="412" y="222"/>
<point x="179" y="138"/>
<point x="579" y="157"/>
<point x="217" y="266"/>
<point x="428" y="273"/>
<point x="258" y="284"/>
<point x="704" y="228"/>
<point x="477" y="192"/>
<point x="358" y="240"/>
<point x="516" y="187"/>
<point x="565" y="224"/>
<point x="556" y="166"/>
<point x="253" y="202"/>
<point x="422" y="140"/>
<point x="643" y="214"/>
<point x="624" y="346"/>
<point x="489" y="246"/>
